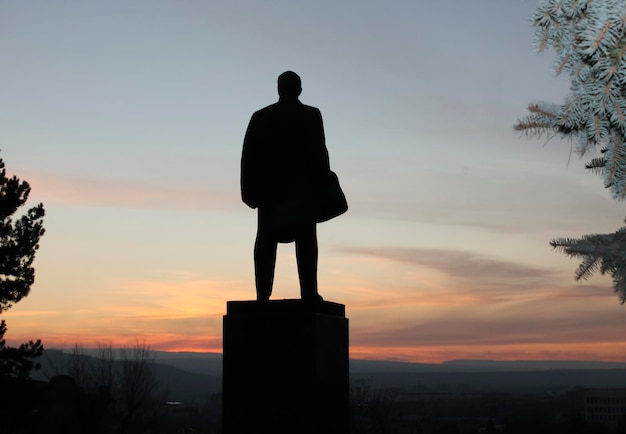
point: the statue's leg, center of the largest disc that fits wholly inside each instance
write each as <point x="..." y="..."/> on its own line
<point x="306" y="257"/>
<point x="264" y="259"/>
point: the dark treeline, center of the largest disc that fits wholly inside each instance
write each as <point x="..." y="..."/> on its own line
<point x="109" y="391"/>
<point x="124" y="391"/>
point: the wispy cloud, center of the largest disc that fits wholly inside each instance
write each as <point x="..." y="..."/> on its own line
<point x="66" y="190"/>
<point x="500" y="199"/>
<point x="548" y="324"/>
<point x="479" y="304"/>
<point x="479" y="271"/>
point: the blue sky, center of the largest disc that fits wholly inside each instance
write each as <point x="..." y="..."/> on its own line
<point x="127" y="119"/>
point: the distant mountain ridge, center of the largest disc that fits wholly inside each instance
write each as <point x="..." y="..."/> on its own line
<point x="210" y="363"/>
<point x="188" y="376"/>
<point x="175" y="381"/>
<point x="534" y="365"/>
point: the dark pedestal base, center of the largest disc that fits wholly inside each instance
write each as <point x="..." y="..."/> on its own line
<point x="285" y="368"/>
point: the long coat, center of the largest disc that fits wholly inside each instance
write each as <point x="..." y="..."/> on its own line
<point x="284" y="156"/>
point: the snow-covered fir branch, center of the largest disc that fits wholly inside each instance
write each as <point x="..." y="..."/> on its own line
<point x="588" y="39"/>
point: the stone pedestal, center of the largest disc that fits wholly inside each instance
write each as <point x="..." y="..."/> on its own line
<point x="285" y="368"/>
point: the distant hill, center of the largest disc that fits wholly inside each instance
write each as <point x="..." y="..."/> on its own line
<point x="548" y="381"/>
<point x="522" y="376"/>
<point x="180" y="385"/>
<point x="530" y="365"/>
<point x="199" y="363"/>
<point x="361" y="366"/>
<point x="189" y="376"/>
<point x="176" y="383"/>
<point x="518" y="376"/>
<point x="211" y="364"/>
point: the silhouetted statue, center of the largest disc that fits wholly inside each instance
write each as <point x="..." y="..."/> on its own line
<point x="284" y="171"/>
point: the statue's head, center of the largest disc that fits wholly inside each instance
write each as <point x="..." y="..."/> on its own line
<point x="289" y="85"/>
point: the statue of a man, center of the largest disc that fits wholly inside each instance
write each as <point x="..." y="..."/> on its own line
<point x="284" y="160"/>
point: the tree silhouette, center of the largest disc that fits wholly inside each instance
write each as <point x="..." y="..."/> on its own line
<point x="123" y="382"/>
<point x="138" y="382"/>
<point x="19" y="240"/>
<point x="589" y="40"/>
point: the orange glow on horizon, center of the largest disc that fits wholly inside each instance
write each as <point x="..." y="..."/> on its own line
<point x="603" y="351"/>
<point x="431" y="321"/>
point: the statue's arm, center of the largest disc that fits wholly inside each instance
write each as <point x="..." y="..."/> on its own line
<point x="249" y="166"/>
<point x="324" y="161"/>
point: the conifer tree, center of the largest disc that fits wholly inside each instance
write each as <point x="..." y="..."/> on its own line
<point x="589" y="41"/>
<point x="19" y="240"/>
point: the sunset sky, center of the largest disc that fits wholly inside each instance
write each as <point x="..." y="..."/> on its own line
<point x="127" y="119"/>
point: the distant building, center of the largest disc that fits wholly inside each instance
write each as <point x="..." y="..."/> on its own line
<point x="604" y="406"/>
